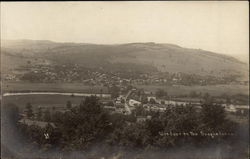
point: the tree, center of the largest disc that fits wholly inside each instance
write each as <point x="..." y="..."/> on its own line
<point x="83" y="125"/>
<point x="133" y="136"/>
<point x="129" y="87"/>
<point x="213" y="118"/>
<point x="180" y="118"/>
<point x="207" y="97"/>
<point x="152" y="101"/>
<point x="53" y="108"/>
<point x="101" y="91"/>
<point x="69" y="104"/>
<point x="10" y="114"/>
<point x="160" y="93"/>
<point x="212" y="115"/>
<point x="114" y="90"/>
<point x="90" y="105"/>
<point x="122" y="100"/>
<point x="10" y="129"/>
<point x="39" y="113"/>
<point x="144" y="100"/>
<point x="193" y="94"/>
<point x="47" y="115"/>
<point x="57" y="117"/>
<point x="154" y="126"/>
<point x="139" y="111"/>
<point x="29" y="110"/>
<point x="227" y="98"/>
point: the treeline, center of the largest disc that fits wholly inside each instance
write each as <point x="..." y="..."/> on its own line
<point x="88" y="124"/>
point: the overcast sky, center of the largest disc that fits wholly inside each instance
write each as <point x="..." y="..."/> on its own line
<point x="221" y="27"/>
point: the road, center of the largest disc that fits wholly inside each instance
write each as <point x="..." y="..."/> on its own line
<point x="128" y="110"/>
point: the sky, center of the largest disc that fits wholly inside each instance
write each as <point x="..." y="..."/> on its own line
<point x="218" y="26"/>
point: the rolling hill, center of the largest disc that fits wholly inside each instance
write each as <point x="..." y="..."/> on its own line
<point x="142" y="56"/>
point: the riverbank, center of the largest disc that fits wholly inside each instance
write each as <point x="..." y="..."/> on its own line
<point x="57" y="93"/>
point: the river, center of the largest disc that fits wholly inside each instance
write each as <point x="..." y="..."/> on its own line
<point x="57" y="93"/>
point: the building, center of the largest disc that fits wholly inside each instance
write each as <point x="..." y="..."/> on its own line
<point x="133" y="103"/>
<point x="150" y="98"/>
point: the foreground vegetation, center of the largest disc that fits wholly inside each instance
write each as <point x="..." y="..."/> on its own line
<point x="88" y="126"/>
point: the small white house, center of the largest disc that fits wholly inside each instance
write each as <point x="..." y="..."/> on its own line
<point x="133" y="102"/>
<point x="151" y="97"/>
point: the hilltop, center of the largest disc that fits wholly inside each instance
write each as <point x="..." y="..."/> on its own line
<point x="145" y="57"/>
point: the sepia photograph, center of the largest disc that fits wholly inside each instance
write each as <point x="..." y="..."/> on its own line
<point x="124" y="80"/>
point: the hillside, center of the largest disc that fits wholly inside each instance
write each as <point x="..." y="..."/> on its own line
<point x="141" y="56"/>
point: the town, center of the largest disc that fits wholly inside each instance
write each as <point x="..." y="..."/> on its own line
<point x="102" y="76"/>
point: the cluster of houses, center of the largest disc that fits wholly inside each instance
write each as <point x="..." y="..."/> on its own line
<point x="99" y="76"/>
<point x="153" y="103"/>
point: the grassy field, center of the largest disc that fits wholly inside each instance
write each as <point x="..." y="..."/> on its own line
<point x="214" y="90"/>
<point x="42" y="100"/>
<point x="53" y="87"/>
<point x="57" y="101"/>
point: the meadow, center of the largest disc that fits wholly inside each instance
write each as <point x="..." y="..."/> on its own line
<point x="45" y="101"/>
<point x="51" y="87"/>
<point x="49" y="101"/>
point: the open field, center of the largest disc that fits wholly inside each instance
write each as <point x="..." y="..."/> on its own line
<point x="213" y="90"/>
<point x="42" y="100"/>
<point x="53" y="87"/>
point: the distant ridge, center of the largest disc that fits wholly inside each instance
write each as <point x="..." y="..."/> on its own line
<point x="160" y="56"/>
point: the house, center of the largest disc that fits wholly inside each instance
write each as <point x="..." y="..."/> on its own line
<point x="151" y="97"/>
<point x="118" y="102"/>
<point x="133" y="102"/>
